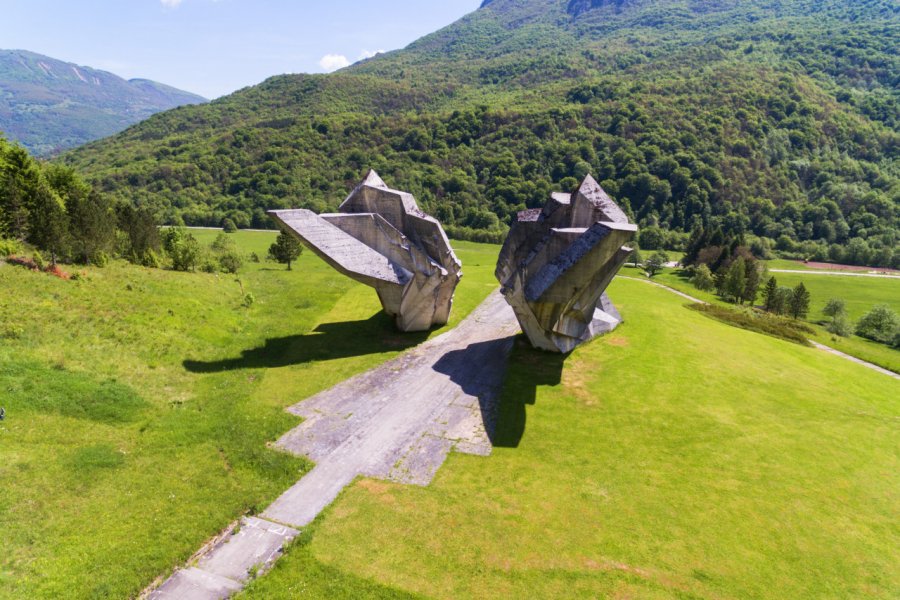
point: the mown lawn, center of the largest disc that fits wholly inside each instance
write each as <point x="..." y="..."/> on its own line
<point x="139" y="404"/>
<point x="859" y="293"/>
<point x="676" y="458"/>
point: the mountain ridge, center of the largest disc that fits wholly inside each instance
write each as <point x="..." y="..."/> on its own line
<point x="49" y="105"/>
<point x="773" y="118"/>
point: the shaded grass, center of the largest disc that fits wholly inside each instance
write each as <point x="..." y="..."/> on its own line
<point x="117" y="462"/>
<point x="675" y="458"/>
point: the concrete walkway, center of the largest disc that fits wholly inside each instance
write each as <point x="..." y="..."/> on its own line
<point x="815" y="344"/>
<point x="396" y="422"/>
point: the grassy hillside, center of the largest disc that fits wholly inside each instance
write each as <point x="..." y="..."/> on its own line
<point x="676" y="458"/>
<point x="774" y="117"/>
<point x="139" y="404"/>
<point x="48" y="105"/>
<point x="860" y="294"/>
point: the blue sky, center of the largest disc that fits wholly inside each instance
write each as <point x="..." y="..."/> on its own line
<point x="214" y="47"/>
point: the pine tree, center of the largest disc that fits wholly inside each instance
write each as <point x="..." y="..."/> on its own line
<point x="48" y="225"/>
<point x="799" y="304"/>
<point x="285" y="250"/>
<point x="770" y="293"/>
<point x="755" y="273"/>
<point x="93" y="227"/>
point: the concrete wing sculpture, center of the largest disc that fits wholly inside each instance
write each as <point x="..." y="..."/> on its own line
<point x="557" y="262"/>
<point x="382" y="239"/>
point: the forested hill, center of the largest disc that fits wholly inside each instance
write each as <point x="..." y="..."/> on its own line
<point x="48" y="105"/>
<point x="771" y="117"/>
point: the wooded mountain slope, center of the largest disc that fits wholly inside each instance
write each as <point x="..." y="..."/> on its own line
<point x="772" y="117"/>
<point x="49" y="105"/>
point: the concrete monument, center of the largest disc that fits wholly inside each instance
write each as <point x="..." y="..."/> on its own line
<point x="557" y="262"/>
<point x="382" y="239"/>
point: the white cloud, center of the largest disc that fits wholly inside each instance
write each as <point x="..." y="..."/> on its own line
<point x="369" y="54"/>
<point x="170" y="3"/>
<point x="333" y="62"/>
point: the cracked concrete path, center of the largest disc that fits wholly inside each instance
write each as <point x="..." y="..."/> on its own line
<point x="399" y="421"/>
<point x="396" y="422"/>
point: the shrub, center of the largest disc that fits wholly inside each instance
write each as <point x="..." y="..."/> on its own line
<point x="840" y="325"/>
<point x="228" y="226"/>
<point x="249" y="299"/>
<point x="880" y="324"/>
<point x="8" y="247"/>
<point x="656" y="263"/>
<point x="759" y="321"/>
<point x="231" y="261"/>
<point x="835" y="308"/>
<point x="38" y="260"/>
<point x="182" y="248"/>
<point x="100" y="259"/>
<point x="703" y="279"/>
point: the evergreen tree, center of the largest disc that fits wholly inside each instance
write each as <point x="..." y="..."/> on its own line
<point x="92" y="227"/>
<point x="799" y="303"/>
<point x="770" y="293"/>
<point x="141" y="234"/>
<point x="19" y="182"/>
<point x="285" y="250"/>
<point x="756" y="271"/>
<point x="48" y="225"/>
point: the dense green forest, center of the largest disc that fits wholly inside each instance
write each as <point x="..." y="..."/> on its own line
<point x="771" y="119"/>
<point x="53" y="210"/>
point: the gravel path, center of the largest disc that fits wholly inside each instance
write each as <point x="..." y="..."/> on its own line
<point x="396" y="422"/>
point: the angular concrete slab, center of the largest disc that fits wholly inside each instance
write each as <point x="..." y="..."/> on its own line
<point x="556" y="264"/>
<point x="381" y="239"/>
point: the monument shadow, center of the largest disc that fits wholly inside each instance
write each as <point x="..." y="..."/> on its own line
<point x="504" y="381"/>
<point x="327" y="341"/>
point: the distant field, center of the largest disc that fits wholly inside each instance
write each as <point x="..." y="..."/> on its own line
<point x="676" y="458"/>
<point x="860" y="294"/>
<point x="140" y="402"/>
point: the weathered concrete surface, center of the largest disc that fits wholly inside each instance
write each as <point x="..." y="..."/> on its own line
<point x="227" y="564"/>
<point x="381" y="239"/>
<point x="399" y="421"/>
<point x="396" y="422"/>
<point x="254" y="548"/>
<point x="557" y="262"/>
<point x="195" y="584"/>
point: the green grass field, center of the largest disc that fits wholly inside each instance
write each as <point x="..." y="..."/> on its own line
<point x="140" y="402"/>
<point x="675" y="458"/>
<point x="859" y="293"/>
<point x="678" y="457"/>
